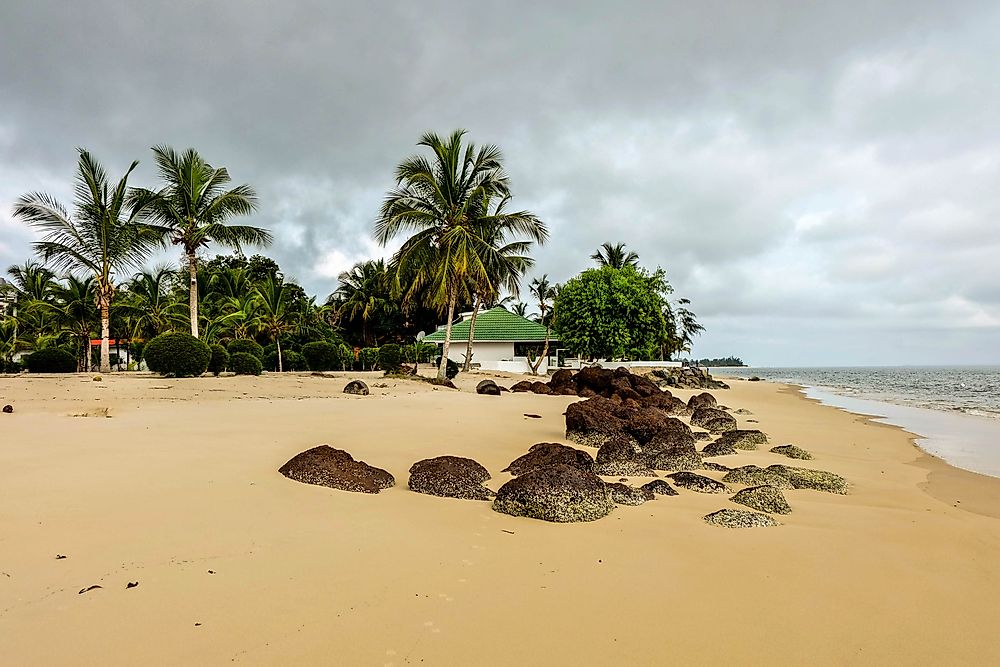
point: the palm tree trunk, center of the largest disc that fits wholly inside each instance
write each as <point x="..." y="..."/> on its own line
<point x="443" y="367"/>
<point x="277" y="340"/>
<point x="472" y="333"/>
<point x="105" y="335"/>
<point x="545" y="355"/>
<point x="193" y="291"/>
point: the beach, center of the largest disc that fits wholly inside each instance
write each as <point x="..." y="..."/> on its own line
<point x="173" y="484"/>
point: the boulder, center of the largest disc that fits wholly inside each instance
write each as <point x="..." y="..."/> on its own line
<point x="764" y="498"/>
<point x="789" y="477"/>
<point x="728" y="518"/>
<point x="549" y="453"/>
<point x="743" y="439"/>
<point x="672" y="449"/>
<point x="756" y="476"/>
<point x="718" y="448"/>
<point x="592" y="422"/>
<point x="622" y="494"/>
<point x="563" y="390"/>
<point x="540" y="388"/>
<point x="523" y="385"/>
<point x="450" y="477"/>
<point x="643" y="386"/>
<point x="699" y="483"/>
<point x="701" y="435"/>
<point x="717" y="467"/>
<point x="620" y="456"/>
<point x="356" y="387"/>
<point x="557" y="492"/>
<point x="713" y="420"/>
<point x="594" y="378"/>
<point x="622" y="388"/>
<point x="488" y="388"/>
<point x="702" y="400"/>
<point x="644" y="424"/>
<point x="561" y="378"/>
<point x="792" y="452"/>
<point x="660" y="487"/>
<point x="335" y="468"/>
<point x="8" y="409"/>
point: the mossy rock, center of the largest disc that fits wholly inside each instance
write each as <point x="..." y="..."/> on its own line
<point x="716" y="467"/>
<point x="792" y="452"/>
<point x="757" y="476"/>
<point x="742" y="439"/>
<point x="764" y="498"/>
<point x="622" y="494"/>
<point x="699" y="483"/>
<point x="718" y="448"/>
<point x="558" y="493"/>
<point x="660" y="488"/>
<point x="728" y="518"/>
<point x="788" y="477"/>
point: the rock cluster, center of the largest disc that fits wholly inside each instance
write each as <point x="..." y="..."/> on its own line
<point x="450" y="477"/>
<point x="619" y="385"/>
<point x="728" y="518"/>
<point x="764" y="498"/>
<point x="336" y="469"/>
<point x="688" y="377"/>
<point x="792" y="452"/>
<point x="548" y="453"/>
<point x="558" y="492"/>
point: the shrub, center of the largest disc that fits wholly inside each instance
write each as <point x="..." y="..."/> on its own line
<point x="346" y="357"/>
<point x="247" y="346"/>
<point x="220" y="359"/>
<point x="293" y="361"/>
<point x="451" y="370"/>
<point x="368" y="358"/>
<point x="136" y="350"/>
<point x="51" y="360"/>
<point x="244" y="363"/>
<point x="321" y="355"/>
<point x="390" y="358"/>
<point x="11" y="366"/>
<point x="179" y="354"/>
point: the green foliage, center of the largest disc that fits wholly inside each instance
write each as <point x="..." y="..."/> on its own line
<point x="10" y="366"/>
<point x="368" y="356"/>
<point x="244" y="363"/>
<point x="613" y="313"/>
<point x="721" y="362"/>
<point x="290" y="360"/>
<point x="51" y="360"/>
<point x="178" y="354"/>
<point x="425" y="352"/>
<point x="138" y="348"/>
<point x="246" y="345"/>
<point x="346" y="356"/>
<point x="220" y="359"/>
<point x="320" y="355"/>
<point x="390" y="358"/>
<point x="293" y="361"/>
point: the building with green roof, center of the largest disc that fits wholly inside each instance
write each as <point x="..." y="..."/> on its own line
<point x="503" y="341"/>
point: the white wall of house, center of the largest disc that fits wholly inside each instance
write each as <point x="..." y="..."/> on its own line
<point x="493" y="356"/>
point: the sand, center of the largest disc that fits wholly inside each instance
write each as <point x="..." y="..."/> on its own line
<point x="173" y="484"/>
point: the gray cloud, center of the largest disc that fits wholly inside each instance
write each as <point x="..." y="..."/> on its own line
<point x="819" y="178"/>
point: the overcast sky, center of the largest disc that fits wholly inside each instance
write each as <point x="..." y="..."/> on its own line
<point x="822" y="180"/>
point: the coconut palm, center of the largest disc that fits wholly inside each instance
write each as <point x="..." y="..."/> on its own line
<point x="364" y="293"/>
<point x="275" y="317"/>
<point x="150" y="305"/>
<point x="30" y="281"/>
<point x="543" y="292"/>
<point x="105" y="235"/>
<point x="74" y="306"/>
<point x="193" y="209"/>
<point x="442" y="202"/>
<point x="520" y="308"/>
<point x="615" y="256"/>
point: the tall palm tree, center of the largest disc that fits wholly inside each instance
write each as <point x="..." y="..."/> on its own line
<point x="520" y="308"/>
<point x="275" y="317"/>
<point x="75" y="306"/>
<point x="364" y="293"/>
<point x="106" y="234"/>
<point x="149" y="305"/>
<point x="30" y="281"/>
<point x="442" y="202"/>
<point x="543" y="292"/>
<point x="615" y="256"/>
<point x="688" y="325"/>
<point x="194" y="209"/>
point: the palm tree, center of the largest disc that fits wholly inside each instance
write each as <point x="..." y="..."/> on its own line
<point x="30" y="281"/>
<point x="615" y="256"/>
<point x="543" y="292"/>
<point x="364" y="293"/>
<point x="520" y="308"/>
<point x="275" y="317"/>
<point x="443" y="202"/>
<point x="107" y="233"/>
<point x="688" y="325"/>
<point x="194" y="209"/>
<point x="75" y="305"/>
<point x="149" y="304"/>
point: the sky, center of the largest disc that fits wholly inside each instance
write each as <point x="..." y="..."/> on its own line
<point x="821" y="180"/>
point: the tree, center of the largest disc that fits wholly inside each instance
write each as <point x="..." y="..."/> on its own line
<point x="274" y="313"/>
<point x="364" y="293"/>
<point x="612" y="313"/>
<point x="75" y="306"/>
<point x="194" y="209"/>
<point x="148" y="304"/>
<point x="543" y="292"/>
<point x="615" y="256"/>
<point x="106" y="234"/>
<point x="520" y="308"/>
<point x="442" y="202"/>
<point x="682" y="326"/>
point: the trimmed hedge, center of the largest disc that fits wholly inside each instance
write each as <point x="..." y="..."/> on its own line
<point x="390" y="358"/>
<point x="290" y="361"/>
<point x="368" y="358"/>
<point x="320" y="355"/>
<point x="220" y="359"/>
<point x="178" y="354"/>
<point x="51" y="360"/>
<point x="247" y="346"/>
<point x="244" y="363"/>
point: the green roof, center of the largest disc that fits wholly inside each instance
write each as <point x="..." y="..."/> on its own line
<point x="494" y="325"/>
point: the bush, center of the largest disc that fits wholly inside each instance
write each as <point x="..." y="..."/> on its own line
<point x="51" y="360"/>
<point x="346" y="355"/>
<point x="390" y="358"/>
<point x="247" y="346"/>
<point x="368" y="358"/>
<point x="220" y="359"/>
<point x="136" y="350"/>
<point x="244" y="363"/>
<point x="178" y="354"/>
<point x="321" y="356"/>
<point x="290" y="361"/>
<point x="11" y="366"/>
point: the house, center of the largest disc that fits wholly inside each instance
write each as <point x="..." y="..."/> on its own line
<point x="502" y="341"/>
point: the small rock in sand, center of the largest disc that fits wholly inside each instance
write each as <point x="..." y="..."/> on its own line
<point x="335" y="468"/>
<point x="739" y="519"/>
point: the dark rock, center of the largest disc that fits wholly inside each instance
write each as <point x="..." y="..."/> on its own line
<point x="699" y="483"/>
<point x="532" y="416"/>
<point x="488" y="388"/>
<point x="620" y="456"/>
<point x="717" y="467"/>
<point x="450" y="477"/>
<point x="523" y="385"/>
<point x="742" y="439"/>
<point x="548" y="453"/>
<point x="792" y="452"/>
<point x="728" y="518"/>
<point x="718" y="448"/>
<point x="643" y="386"/>
<point x="688" y="377"/>
<point x="8" y="409"/>
<point x="672" y="448"/>
<point x="623" y="494"/>
<point x="592" y="422"/>
<point x="556" y="492"/>
<point x="356" y="387"/>
<point x="621" y="387"/>
<point x="751" y="475"/>
<point x="540" y="388"/>
<point x="562" y="377"/>
<point x="789" y="477"/>
<point x="702" y="400"/>
<point x="701" y="435"/>
<point x="336" y="469"/>
<point x="594" y="378"/>
<point x="713" y="420"/>
<point x="764" y="498"/>
<point x="645" y="423"/>
<point x="660" y="488"/>
<point x="586" y="392"/>
<point x="564" y="390"/>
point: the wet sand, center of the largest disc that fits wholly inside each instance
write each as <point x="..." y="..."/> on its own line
<point x="180" y="479"/>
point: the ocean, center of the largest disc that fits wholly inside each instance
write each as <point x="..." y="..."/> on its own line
<point x="955" y="410"/>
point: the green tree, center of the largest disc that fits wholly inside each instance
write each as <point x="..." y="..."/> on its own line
<point x="274" y="318"/>
<point x="615" y="256"/>
<point x="105" y="235"/>
<point x="543" y="292"/>
<point x="612" y="313"/>
<point x="442" y="202"/>
<point x="365" y="294"/>
<point x="149" y="305"/>
<point x="194" y="209"/>
<point x="75" y="306"/>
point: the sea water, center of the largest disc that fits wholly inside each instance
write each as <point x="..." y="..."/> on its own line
<point x="954" y="411"/>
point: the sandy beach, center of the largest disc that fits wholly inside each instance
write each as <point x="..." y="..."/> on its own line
<point x="173" y="484"/>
